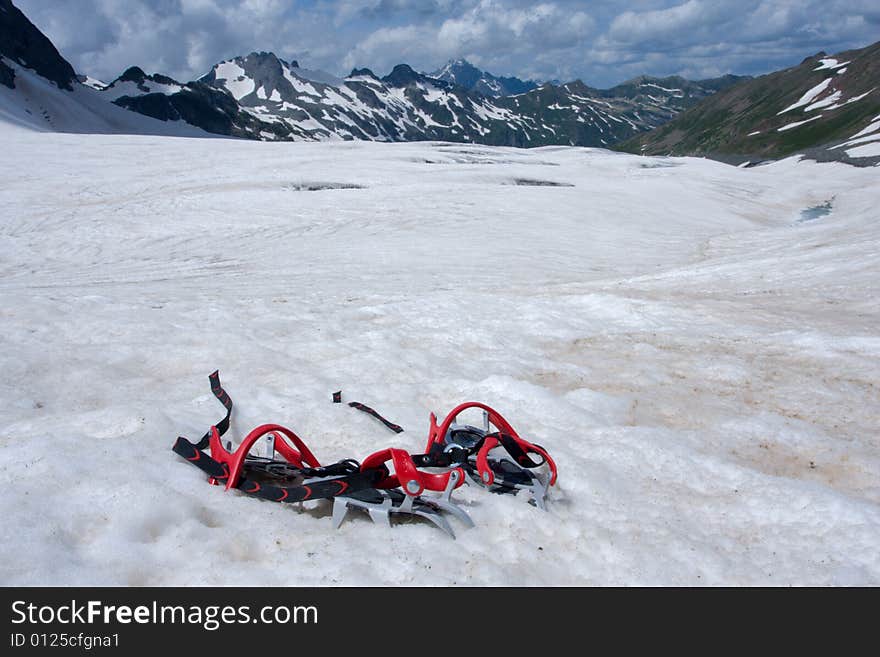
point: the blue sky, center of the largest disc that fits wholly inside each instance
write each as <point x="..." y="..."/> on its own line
<point x="602" y="42"/>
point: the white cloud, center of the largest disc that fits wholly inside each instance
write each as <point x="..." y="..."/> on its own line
<point x="602" y="41"/>
<point x="489" y="31"/>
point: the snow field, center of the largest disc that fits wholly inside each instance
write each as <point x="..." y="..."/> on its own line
<point x="702" y="367"/>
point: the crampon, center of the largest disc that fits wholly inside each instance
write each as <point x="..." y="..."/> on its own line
<point x="274" y="463"/>
<point x="498" y="459"/>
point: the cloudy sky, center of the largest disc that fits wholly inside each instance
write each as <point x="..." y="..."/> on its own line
<point x="602" y="41"/>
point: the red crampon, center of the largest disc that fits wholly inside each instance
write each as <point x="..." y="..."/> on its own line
<point x="287" y="470"/>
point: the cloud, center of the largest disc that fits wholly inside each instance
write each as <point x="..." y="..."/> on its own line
<point x="489" y="32"/>
<point x="601" y="42"/>
<point x="181" y="38"/>
<point x="702" y="38"/>
<point x="673" y="22"/>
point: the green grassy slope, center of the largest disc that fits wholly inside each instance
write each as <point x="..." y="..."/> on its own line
<point x="723" y="125"/>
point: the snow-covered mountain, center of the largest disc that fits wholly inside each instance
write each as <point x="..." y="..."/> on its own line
<point x="464" y="74"/>
<point x="312" y="105"/>
<point x="261" y="96"/>
<point x="279" y="100"/>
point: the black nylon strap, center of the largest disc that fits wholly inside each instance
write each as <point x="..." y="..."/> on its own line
<point x="517" y="452"/>
<point x="346" y="467"/>
<point x="198" y="458"/>
<point x="283" y="468"/>
<point x="439" y="457"/>
<point x="226" y="400"/>
<point x="396" y="428"/>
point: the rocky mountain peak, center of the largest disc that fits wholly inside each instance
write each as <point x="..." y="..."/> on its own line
<point x="464" y="74"/>
<point x="132" y="74"/>
<point x="356" y="72"/>
<point x="21" y="42"/>
<point x="402" y="75"/>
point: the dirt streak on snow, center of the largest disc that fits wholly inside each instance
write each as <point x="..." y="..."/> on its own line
<point x="702" y="366"/>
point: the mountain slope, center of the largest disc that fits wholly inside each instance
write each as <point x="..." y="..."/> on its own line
<point x="464" y="74"/>
<point x="579" y="115"/>
<point x="195" y="103"/>
<point x="22" y="43"/>
<point x="36" y="103"/>
<point x="817" y="107"/>
<point x="673" y="92"/>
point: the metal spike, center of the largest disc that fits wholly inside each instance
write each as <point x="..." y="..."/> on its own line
<point x="455" y="510"/>
<point x="437" y="519"/>
<point x="340" y="510"/>
<point x="380" y="516"/>
<point x="444" y="501"/>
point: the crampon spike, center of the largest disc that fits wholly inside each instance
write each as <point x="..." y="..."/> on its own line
<point x="382" y="505"/>
<point x="400" y="493"/>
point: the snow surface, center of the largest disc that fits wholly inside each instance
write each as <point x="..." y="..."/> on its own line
<point x="871" y="149"/>
<point x="858" y="140"/>
<point x="235" y="79"/>
<point x="129" y="88"/>
<point x="826" y="102"/>
<point x="300" y="85"/>
<point x="703" y="368"/>
<point x="94" y="83"/>
<point x="657" y="86"/>
<point x="869" y="133"/>
<point x="829" y="63"/>
<point x="808" y="97"/>
<point x="790" y="126"/>
<point x="872" y="127"/>
<point x="830" y="99"/>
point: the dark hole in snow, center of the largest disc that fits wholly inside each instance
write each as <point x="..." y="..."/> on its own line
<point x="813" y="213"/>
<point x="319" y="186"/>
<point x="659" y="165"/>
<point x="484" y="160"/>
<point x="457" y="148"/>
<point x="529" y="182"/>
